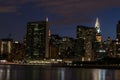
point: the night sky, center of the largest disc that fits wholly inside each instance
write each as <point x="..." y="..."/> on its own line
<point x="64" y="16"/>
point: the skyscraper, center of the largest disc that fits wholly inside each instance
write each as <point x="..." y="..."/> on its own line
<point x="99" y="50"/>
<point x="84" y="43"/>
<point x="118" y="30"/>
<point x="118" y="39"/>
<point x="37" y="39"/>
<point x="98" y="31"/>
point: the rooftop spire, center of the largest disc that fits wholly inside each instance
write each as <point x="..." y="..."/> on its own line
<point x="97" y="25"/>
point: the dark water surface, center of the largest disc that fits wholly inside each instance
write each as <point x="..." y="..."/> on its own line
<point x="15" y="72"/>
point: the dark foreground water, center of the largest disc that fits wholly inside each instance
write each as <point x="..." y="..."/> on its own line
<point x="12" y="72"/>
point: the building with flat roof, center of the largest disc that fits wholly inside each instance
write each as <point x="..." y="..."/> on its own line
<point x="84" y="42"/>
<point x="37" y="43"/>
<point x="6" y="47"/>
<point x="118" y="31"/>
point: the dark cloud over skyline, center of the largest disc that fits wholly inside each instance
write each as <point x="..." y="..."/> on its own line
<point x="61" y="13"/>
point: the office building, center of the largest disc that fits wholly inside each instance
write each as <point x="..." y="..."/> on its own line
<point x="66" y="47"/>
<point x="118" y="31"/>
<point x="37" y="42"/>
<point x="84" y="42"/>
<point x="54" y="46"/>
<point x="99" y="48"/>
<point x="6" y="47"/>
<point x="18" y="51"/>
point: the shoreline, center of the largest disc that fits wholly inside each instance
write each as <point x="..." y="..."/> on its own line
<point x="63" y="65"/>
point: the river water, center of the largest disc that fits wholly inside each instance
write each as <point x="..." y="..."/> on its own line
<point x="20" y="72"/>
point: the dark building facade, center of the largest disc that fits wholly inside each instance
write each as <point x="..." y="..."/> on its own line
<point x="66" y="47"/>
<point x="85" y="38"/>
<point x="37" y="39"/>
<point x="18" y="52"/>
<point x="61" y="47"/>
<point x="118" y="38"/>
<point x="6" y="46"/>
<point x="54" y="46"/>
<point x="118" y="30"/>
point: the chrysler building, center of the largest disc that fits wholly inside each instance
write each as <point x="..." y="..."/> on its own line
<point x="98" y="31"/>
<point x="97" y="26"/>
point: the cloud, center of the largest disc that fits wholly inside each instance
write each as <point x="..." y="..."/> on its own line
<point x="73" y="6"/>
<point x="17" y="2"/>
<point x="7" y="9"/>
<point x="8" y="6"/>
<point x="71" y="11"/>
<point x="76" y="10"/>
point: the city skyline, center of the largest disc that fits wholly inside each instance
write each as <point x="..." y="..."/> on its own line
<point x="64" y="16"/>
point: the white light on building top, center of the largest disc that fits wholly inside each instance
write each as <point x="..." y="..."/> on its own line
<point x="97" y="25"/>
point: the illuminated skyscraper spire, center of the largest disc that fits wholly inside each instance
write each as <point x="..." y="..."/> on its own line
<point x="97" y="25"/>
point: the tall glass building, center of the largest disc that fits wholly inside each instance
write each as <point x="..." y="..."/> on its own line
<point x="37" y="40"/>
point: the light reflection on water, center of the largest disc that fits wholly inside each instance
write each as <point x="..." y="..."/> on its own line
<point x="12" y="72"/>
<point x="99" y="74"/>
<point x="61" y="74"/>
<point x="4" y="72"/>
